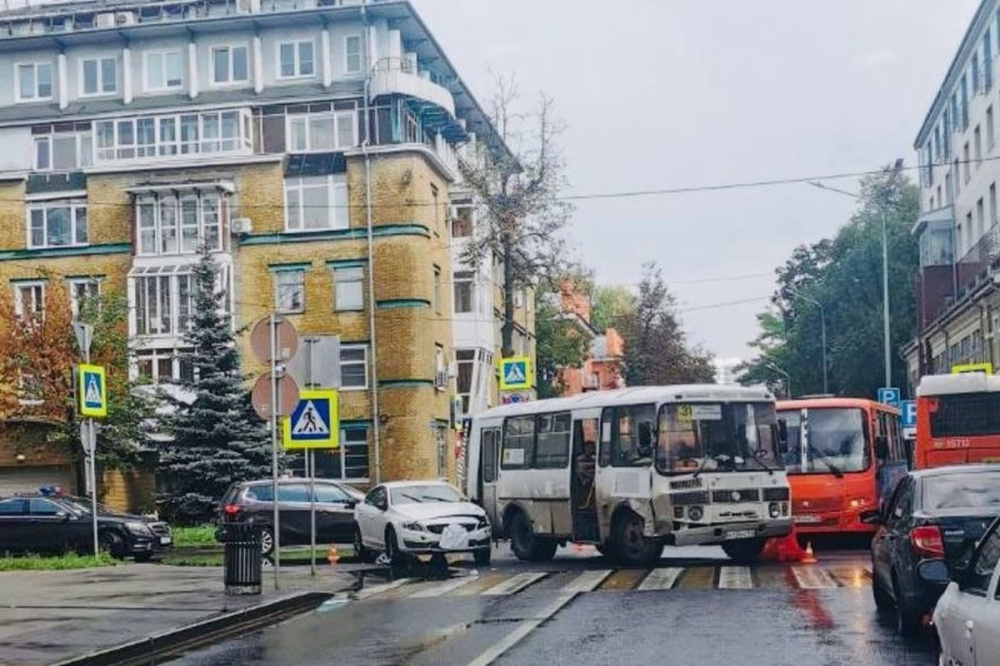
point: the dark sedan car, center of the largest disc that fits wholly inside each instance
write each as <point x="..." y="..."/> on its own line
<point x="252" y="502"/>
<point x="932" y="522"/>
<point x="55" y="524"/>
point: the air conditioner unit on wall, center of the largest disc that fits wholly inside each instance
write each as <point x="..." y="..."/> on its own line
<point x="105" y="20"/>
<point x="241" y="225"/>
<point x="441" y="379"/>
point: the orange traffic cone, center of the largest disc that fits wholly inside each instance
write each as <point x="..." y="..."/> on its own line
<point x="332" y="556"/>
<point x="809" y="557"/>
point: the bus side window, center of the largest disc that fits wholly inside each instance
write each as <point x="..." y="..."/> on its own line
<point x="607" y="436"/>
<point x="518" y="443"/>
<point x="488" y="452"/>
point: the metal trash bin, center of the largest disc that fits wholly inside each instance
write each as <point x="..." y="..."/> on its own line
<point x="242" y="561"/>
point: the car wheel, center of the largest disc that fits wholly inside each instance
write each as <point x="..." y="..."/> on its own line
<point x="112" y="543"/>
<point x="483" y="557"/>
<point x="908" y="621"/>
<point x="630" y="544"/>
<point x="266" y="541"/>
<point x="360" y="550"/>
<point x="392" y="552"/>
<point x="744" y="551"/>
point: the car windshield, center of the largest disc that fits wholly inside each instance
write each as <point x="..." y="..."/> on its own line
<point x="714" y="436"/>
<point x="980" y="490"/>
<point x="82" y="505"/>
<point x="425" y="494"/>
<point x="826" y="441"/>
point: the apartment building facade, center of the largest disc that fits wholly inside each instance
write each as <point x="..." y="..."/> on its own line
<point x="958" y="302"/>
<point x="312" y="146"/>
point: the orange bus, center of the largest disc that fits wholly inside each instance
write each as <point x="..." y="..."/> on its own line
<point x="958" y="419"/>
<point x="844" y="458"/>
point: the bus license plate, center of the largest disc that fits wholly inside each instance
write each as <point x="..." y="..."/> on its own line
<point x="741" y="534"/>
<point x="807" y="519"/>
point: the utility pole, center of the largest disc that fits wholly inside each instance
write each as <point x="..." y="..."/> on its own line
<point x="822" y="326"/>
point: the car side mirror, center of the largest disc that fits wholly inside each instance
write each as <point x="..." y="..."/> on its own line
<point x="382" y="506"/>
<point x="350" y="504"/>
<point x="882" y="447"/>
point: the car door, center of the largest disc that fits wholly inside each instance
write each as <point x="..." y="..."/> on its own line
<point x="293" y="505"/>
<point x="978" y="607"/>
<point x="884" y="538"/>
<point x="900" y="554"/>
<point x="13" y="523"/>
<point x="366" y="516"/>
<point x="334" y="514"/>
<point x="49" y="528"/>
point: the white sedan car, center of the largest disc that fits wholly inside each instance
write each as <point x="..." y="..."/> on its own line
<point x="967" y="616"/>
<point x="404" y="518"/>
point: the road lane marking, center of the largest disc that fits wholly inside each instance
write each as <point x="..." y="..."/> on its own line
<point x="813" y="579"/>
<point x="660" y="579"/>
<point x="514" y="584"/>
<point x="439" y="590"/>
<point x="483" y="583"/>
<point x="522" y="630"/>
<point x="367" y="592"/>
<point x="735" y="578"/>
<point x="624" y="579"/>
<point x="586" y="581"/>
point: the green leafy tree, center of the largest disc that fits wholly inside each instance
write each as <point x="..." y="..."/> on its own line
<point x="656" y="351"/>
<point x="559" y="345"/>
<point x="216" y="438"/>
<point x="609" y="305"/>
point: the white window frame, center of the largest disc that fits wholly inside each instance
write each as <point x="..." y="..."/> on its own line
<point x="82" y="137"/>
<point x="149" y="315"/>
<point x="296" y="60"/>
<point x="336" y="117"/>
<point x="354" y="347"/>
<point x="38" y="302"/>
<point x="231" y="69"/>
<point x="338" y="215"/>
<point x="154" y="355"/>
<point x="74" y="206"/>
<point x="342" y="454"/>
<point x="468" y="278"/>
<point x="221" y="209"/>
<point x="35" y="96"/>
<point x="289" y="274"/>
<point x="100" y="92"/>
<point x="161" y="86"/>
<point x="356" y="283"/>
<point x="361" y="55"/>
<point x="178" y="147"/>
<point x="73" y="284"/>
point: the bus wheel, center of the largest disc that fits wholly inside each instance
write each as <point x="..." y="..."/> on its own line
<point x="527" y="546"/>
<point x="630" y="544"/>
<point x="744" y="551"/>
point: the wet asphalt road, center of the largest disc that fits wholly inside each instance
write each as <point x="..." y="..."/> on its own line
<point x="693" y="608"/>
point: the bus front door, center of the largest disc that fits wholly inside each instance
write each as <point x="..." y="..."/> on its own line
<point x="583" y="488"/>
<point x="488" y="472"/>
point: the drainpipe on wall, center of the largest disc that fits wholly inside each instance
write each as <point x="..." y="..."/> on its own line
<point x="376" y="415"/>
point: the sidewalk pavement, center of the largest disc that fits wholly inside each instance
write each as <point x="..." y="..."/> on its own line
<point x="49" y="616"/>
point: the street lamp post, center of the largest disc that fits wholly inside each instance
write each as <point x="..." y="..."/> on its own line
<point x="788" y="378"/>
<point x="822" y="332"/>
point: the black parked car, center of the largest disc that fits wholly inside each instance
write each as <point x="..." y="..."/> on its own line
<point x="931" y="523"/>
<point x="252" y="502"/>
<point x="44" y="523"/>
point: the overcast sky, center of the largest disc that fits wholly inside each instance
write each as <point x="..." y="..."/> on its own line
<point x="675" y="93"/>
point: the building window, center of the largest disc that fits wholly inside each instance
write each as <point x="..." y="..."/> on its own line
<point x="348" y="462"/>
<point x="987" y="62"/>
<point x="354" y="367"/>
<point x="993" y="204"/>
<point x="98" y="76"/>
<point x="465" y="292"/>
<point x="465" y="365"/>
<point x="34" y="81"/>
<point x="964" y="98"/>
<point x="165" y="366"/>
<point x="948" y="188"/>
<point x="29" y="299"/>
<point x="163" y="136"/>
<point x="349" y="288"/>
<point x="31" y="390"/>
<point x="322" y="132"/>
<point x="296" y="60"/>
<point x="230" y="65"/>
<point x="435" y="202"/>
<point x="290" y="290"/>
<point x="81" y="292"/>
<point x="163" y="303"/>
<point x="57" y="224"/>
<point x="462" y="225"/>
<point x="353" y="58"/>
<point x="990" y="130"/>
<point x="978" y="140"/>
<point x="967" y="172"/>
<point x="437" y="289"/>
<point x="172" y="225"/>
<point x="164" y="70"/>
<point x="980" y="219"/>
<point x="968" y="231"/>
<point x="316" y="202"/>
<point x="63" y="151"/>
<point x="975" y="73"/>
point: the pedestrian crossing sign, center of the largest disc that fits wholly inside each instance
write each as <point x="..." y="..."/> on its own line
<point x="515" y="373"/>
<point x="92" y="390"/>
<point x="315" y="421"/>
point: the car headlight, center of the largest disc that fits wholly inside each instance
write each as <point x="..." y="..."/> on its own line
<point x="138" y="528"/>
<point x="413" y="527"/>
<point x="483" y="522"/>
<point x="859" y="503"/>
<point x="696" y="513"/>
<point x="774" y="510"/>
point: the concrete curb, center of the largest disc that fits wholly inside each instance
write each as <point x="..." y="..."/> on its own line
<point x="175" y="641"/>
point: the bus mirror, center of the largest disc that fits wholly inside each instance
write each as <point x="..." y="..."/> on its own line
<point x="882" y="447"/>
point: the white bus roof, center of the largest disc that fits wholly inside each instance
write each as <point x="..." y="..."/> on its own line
<point x="967" y="382"/>
<point x="632" y="396"/>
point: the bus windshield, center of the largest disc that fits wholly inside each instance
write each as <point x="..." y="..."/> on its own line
<point x="716" y="436"/>
<point x="965" y="414"/>
<point x="826" y="441"/>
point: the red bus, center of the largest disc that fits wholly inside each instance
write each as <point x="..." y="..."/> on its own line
<point x="843" y="460"/>
<point x="958" y="419"/>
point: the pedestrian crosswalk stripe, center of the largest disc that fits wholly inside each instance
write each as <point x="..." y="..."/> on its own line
<point x="443" y="588"/>
<point x="514" y="584"/>
<point x="813" y="579"/>
<point x="660" y="579"/>
<point x="367" y="592"/>
<point x="735" y="578"/>
<point x="587" y="581"/>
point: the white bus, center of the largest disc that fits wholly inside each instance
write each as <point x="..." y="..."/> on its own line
<point x="633" y="470"/>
